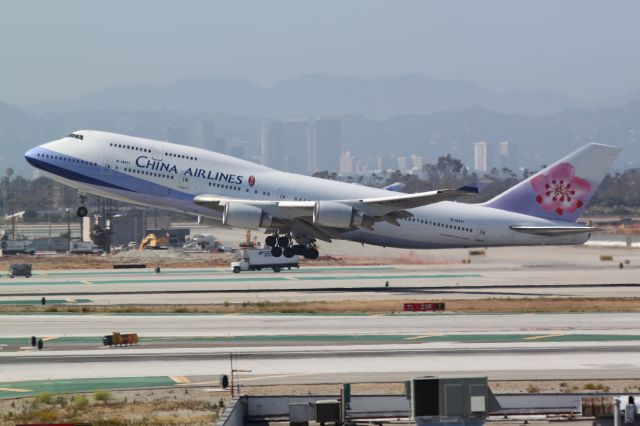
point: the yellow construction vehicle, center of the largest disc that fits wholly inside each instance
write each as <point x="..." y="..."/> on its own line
<point x="154" y="242"/>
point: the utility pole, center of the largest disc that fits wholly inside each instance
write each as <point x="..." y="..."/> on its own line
<point x="233" y="373"/>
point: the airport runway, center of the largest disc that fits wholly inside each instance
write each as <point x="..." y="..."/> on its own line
<point x="284" y="349"/>
<point x="325" y="283"/>
<point x="272" y="325"/>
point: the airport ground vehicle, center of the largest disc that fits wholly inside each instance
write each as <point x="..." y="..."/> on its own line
<point x="202" y="242"/>
<point x="252" y="260"/>
<point x="155" y="242"/>
<point x="85" y="247"/>
<point x="117" y="339"/>
<point x="20" y="270"/>
<point x="17" y="247"/>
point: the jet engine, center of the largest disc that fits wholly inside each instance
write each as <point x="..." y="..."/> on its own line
<point x="245" y="216"/>
<point x="338" y="215"/>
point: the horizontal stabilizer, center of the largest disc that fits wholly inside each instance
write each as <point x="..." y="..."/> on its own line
<point x="551" y="231"/>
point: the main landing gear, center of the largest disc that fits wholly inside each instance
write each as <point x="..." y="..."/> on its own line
<point x="284" y="245"/>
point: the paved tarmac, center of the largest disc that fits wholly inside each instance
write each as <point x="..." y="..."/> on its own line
<point x="320" y="348"/>
<point x="284" y="348"/>
<point x="584" y="276"/>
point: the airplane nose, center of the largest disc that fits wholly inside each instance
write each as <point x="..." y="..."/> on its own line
<point x="30" y="156"/>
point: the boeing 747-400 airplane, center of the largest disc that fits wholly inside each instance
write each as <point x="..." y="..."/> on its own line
<point x="297" y="210"/>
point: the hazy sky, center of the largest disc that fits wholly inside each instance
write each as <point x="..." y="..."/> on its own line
<point x="62" y="49"/>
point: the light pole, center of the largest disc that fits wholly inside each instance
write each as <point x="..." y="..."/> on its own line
<point x="68" y="228"/>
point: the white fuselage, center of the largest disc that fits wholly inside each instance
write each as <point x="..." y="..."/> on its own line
<point x="169" y="176"/>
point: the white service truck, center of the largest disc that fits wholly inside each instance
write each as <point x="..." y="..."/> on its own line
<point x="85" y="247"/>
<point x="17" y="247"/>
<point x="256" y="260"/>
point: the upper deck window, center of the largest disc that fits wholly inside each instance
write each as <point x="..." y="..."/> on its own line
<point x="76" y="135"/>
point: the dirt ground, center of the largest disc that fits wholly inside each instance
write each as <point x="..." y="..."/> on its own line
<point x="172" y="406"/>
<point x="517" y="305"/>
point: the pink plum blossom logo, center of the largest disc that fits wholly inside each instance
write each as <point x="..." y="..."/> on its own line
<point x="560" y="190"/>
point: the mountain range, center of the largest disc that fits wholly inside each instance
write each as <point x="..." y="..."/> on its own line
<point x="324" y="95"/>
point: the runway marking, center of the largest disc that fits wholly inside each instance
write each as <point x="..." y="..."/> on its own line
<point x="247" y="379"/>
<point x="543" y="336"/>
<point x="180" y="379"/>
<point x="14" y="390"/>
<point x="86" y="282"/>
<point x="377" y="315"/>
<point x="46" y="339"/>
<point x="70" y="300"/>
<point x="426" y="336"/>
<point x="292" y="278"/>
<point x="234" y="314"/>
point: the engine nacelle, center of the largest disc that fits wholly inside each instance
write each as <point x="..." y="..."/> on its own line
<point x="338" y="215"/>
<point x="245" y="216"/>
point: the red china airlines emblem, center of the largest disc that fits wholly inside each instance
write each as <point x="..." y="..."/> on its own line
<point x="560" y="190"/>
<point x="252" y="180"/>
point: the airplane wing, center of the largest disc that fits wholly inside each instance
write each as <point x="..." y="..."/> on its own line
<point x="325" y="218"/>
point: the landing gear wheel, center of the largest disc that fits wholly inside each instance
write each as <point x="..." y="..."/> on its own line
<point x="276" y="251"/>
<point x="270" y="241"/>
<point x="283" y="242"/>
<point x="299" y="249"/>
<point x="288" y="252"/>
<point x="311" y="253"/>
<point x="82" y="211"/>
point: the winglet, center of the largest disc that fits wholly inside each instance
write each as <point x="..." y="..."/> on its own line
<point x="473" y="187"/>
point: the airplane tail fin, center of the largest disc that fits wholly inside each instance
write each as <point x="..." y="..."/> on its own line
<point x="562" y="190"/>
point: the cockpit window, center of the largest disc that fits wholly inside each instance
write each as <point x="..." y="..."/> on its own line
<point x="75" y="135"/>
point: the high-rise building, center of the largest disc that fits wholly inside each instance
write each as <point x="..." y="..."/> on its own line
<point x="296" y="142"/>
<point x="481" y="157"/>
<point x="402" y="163"/>
<point x="503" y="153"/>
<point x="416" y="161"/>
<point x="346" y="162"/>
<point x="507" y="156"/>
<point x="272" y="144"/>
<point x="238" y="150"/>
<point x="325" y="145"/>
<point x="177" y="135"/>
<point x="205" y="137"/>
